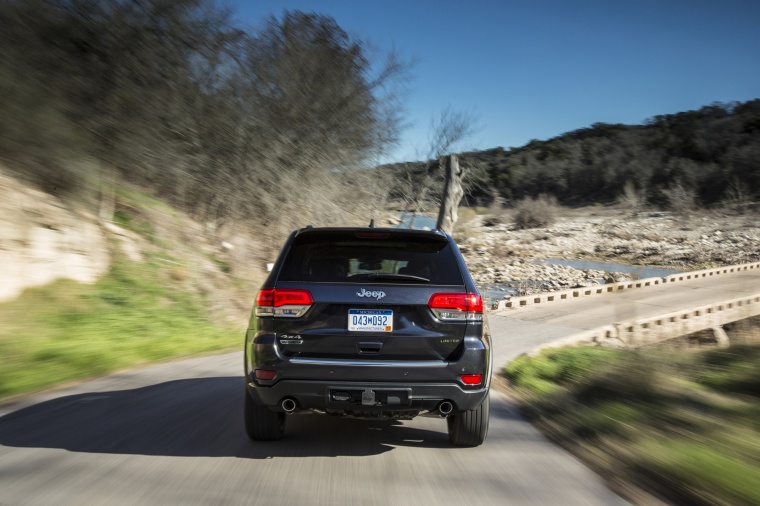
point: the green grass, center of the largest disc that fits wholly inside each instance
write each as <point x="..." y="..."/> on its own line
<point x="128" y="221"/>
<point x="135" y="314"/>
<point x="709" y="474"/>
<point x="134" y="198"/>
<point x="684" y="425"/>
<point x="558" y="367"/>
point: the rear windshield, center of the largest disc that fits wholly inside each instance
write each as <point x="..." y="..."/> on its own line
<point x="348" y="258"/>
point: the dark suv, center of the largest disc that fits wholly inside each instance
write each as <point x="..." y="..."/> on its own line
<point x="368" y="323"/>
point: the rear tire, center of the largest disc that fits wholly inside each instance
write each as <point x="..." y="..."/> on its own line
<point x="471" y="427"/>
<point x="261" y="423"/>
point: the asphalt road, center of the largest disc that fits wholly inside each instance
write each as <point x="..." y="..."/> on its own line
<point x="173" y="434"/>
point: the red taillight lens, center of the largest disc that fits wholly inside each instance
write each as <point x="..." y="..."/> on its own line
<point x="264" y="374"/>
<point x="457" y="306"/>
<point x="290" y="297"/>
<point x="277" y="302"/>
<point x="470" y="302"/>
<point x="277" y="298"/>
<point x="471" y="379"/>
<point x="265" y="297"/>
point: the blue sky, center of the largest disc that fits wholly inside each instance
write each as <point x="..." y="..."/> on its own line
<point x="534" y="69"/>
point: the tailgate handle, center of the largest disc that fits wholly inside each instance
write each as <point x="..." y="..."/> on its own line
<point x="369" y="348"/>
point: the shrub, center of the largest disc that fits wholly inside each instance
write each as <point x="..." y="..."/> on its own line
<point x="558" y="366"/>
<point x="682" y="200"/>
<point x="536" y="212"/>
<point x="632" y="198"/>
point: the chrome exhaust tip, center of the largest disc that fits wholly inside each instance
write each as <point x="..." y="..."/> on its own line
<point x="288" y="405"/>
<point x="445" y="408"/>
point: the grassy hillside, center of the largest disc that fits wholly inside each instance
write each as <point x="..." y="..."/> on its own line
<point x="169" y="292"/>
<point x="66" y="330"/>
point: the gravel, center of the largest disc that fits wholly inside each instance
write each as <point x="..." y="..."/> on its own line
<point x="502" y="258"/>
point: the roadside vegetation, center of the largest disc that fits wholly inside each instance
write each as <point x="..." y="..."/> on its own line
<point x="167" y="293"/>
<point x="536" y="212"/>
<point x="259" y="128"/>
<point x="135" y="314"/>
<point x="677" y="423"/>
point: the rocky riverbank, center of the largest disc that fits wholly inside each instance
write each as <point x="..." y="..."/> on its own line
<point x="499" y="255"/>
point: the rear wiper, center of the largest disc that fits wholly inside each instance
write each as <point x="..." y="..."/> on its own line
<point x="398" y="277"/>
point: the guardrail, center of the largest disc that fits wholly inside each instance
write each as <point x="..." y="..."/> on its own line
<point x="573" y="293"/>
<point x="643" y="331"/>
<point x="684" y="276"/>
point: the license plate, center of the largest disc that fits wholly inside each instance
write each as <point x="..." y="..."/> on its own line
<point x="370" y="320"/>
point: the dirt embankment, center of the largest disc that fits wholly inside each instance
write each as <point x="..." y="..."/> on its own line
<point x="42" y="239"/>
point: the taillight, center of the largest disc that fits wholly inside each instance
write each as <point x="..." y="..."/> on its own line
<point x="279" y="302"/>
<point x="471" y="379"/>
<point x="457" y="306"/>
<point x="264" y="374"/>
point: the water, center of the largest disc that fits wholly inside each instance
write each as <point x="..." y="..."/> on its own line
<point x="493" y="293"/>
<point x="636" y="271"/>
<point x="419" y="221"/>
<point x="497" y="292"/>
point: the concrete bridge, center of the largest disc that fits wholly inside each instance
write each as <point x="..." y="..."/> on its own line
<point x="631" y="313"/>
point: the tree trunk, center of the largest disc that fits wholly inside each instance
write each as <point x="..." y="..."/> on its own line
<point x="452" y="194"/>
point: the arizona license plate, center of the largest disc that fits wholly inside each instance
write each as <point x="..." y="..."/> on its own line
<point x="370" y="320"/>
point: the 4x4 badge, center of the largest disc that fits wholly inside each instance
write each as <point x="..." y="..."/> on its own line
<point x="376" y="294"/>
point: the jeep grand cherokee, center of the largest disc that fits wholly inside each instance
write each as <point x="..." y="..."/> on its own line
<point x="368" y="323"/>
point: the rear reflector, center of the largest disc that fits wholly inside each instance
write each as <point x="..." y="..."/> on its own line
<point x="471" y="379"/>
<point x="457" y="306"/>
<point x="264" y="374"/>
<point x="279" y="302"/>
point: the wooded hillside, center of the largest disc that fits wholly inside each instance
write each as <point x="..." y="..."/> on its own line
<point x="712" y="154"/>
<point x="704" y="158"/>
<point x="232" y="124"/>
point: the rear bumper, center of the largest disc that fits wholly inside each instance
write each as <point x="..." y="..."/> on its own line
<point x="389" y="397"/>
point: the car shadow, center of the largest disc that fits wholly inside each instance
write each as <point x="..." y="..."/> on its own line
<point x="197" y="417"/>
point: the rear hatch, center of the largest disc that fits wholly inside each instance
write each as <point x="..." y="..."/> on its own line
<point x="369" y="295"/>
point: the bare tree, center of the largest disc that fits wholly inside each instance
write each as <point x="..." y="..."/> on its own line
<point x="319" y="112"/>
<point x="682" y="200"/>
<point x="633" y="199"/>
<point x="422" y="185"/>
<point x="449" y="130"/>
<point x="738" y="197"/>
